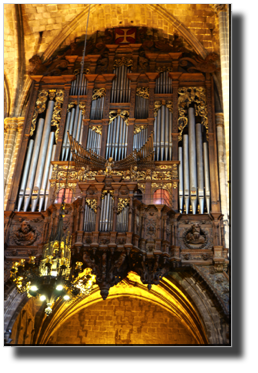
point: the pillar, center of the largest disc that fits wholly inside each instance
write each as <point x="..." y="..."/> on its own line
<point x="9" y="144"/>
<point x="219" y="119"/>
<point x="18" y="139"/>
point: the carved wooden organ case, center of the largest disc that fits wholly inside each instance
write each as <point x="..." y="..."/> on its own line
<point x="127" y="92"/>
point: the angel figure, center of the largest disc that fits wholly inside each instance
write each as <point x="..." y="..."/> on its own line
<point x="109" y="163"/>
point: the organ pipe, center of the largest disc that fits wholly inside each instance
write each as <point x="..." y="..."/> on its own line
<point x="200" y="167"/>
<point x="206" y="176"/>
<point x="121" y="85"/>
<point x="49" y="176"/>
<point x="181" y="181"/>
<point x="75" y="128"/>
<point x="42" y="156"/>
<point x="93" y="142"/>
<point x="186" y="172"/>
<point x="25" y="174"/>
<point x="46" y="171"/>
<point x="77" y="88"/>
<point x="106" y="215"/>
<point x="33" y="164"/>
<point x="163" y="83"/>
<point x="192" y="160"/>
<point x="162" y="139"/>
<point x="90" y="219"/>
<point x="117" y="139"/>
<point x="140" y="139"/>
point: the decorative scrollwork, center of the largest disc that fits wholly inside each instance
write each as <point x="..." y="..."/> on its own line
<point x="122" y="203"/>
<point x="52" y="93"/>
<point x="92" y="203"/>
<point x="123" y="62"/>
<point x="71" y="105"/>
<point x="142" y="187"/>
<point x="143" y="92"/>
<point x="111" y="192"/>
<point x="56" y="117"/>
<point x="174" y="171"/>
<point x="188" y="95"/>
<point x="158" y="104"/>
<point x="166" y="186"/>
<point x="39" y="108"/>
<point x="82" y="106"/>
<point x="97" y="129"/>
<point x="139" y="128"/>
<point x="98" y="93"/>
<point x="124" y="114"/>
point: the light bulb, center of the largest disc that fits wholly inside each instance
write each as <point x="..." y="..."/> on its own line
<point x="33" y="288"/>
<point x="42" y="298"/>
<point x="59" y="287"/>
<point x="66" y="297"/>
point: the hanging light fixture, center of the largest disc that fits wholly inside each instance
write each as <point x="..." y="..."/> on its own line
<point x="53" y="276"/>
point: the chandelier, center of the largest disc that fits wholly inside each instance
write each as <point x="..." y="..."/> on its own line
<point x="53" y="276"/>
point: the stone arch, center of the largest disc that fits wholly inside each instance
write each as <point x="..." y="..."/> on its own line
<point x="157" y="9"/>
<point x="180" y="294"/>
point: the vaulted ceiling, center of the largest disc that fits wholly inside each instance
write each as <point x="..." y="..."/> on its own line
<point x="41" y="29"/>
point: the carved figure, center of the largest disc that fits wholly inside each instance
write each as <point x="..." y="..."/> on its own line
<point x="134" y="173"/>
<point x="25" y="235"/>
<point x="108" y="165"/>
<point x="82" y="172"/>
<point x="195" y="237"/>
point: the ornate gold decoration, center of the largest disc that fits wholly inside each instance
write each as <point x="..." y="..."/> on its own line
<point x="98" y="93"/>
<point x="86" y="71"/>
<point x="123" y="62"/>
<point x="143" y="92"/>
<point x="122" y="203"/>
<point x="139" y="128"/>
<point x="124" y="114"/>
<point x="174" y="184"/>
<point x="71" y="105"/>
<point x="117" y="173"/>
<point x="82" y="106"/>
<point x="162" y="69"/>
<point x="142" y="187"/>
<point x="52" y="93"/>
<point x="166" y="186"/>
<point x="56" y="117"/>
<point x="92" y="203"/>
<point x="158" y="104"/>
<point x="174" y="171"/>
<point x="97" y="129"/>
<point x="187" y="95"/>
<point x="39" y="108"/>
<point x="111" y="192"/>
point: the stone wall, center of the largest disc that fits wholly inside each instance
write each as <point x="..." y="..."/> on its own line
<point x="123" y="320"/>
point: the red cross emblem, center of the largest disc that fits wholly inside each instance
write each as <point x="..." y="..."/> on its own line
<point x="125" y="35"/>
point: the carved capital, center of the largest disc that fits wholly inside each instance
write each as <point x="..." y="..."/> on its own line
<point x="10" y="124"/>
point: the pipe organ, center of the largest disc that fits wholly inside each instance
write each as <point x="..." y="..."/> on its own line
<point x="79" y="88"/>
<point x="122" y="220"/>
<point x="162" y="131"/>
<point x="163" y="83"/>
<point x="142" y="103"/>
<point x="121" y="85"/>
<point x="73" y="126"/>
<point x="140" y="137"/>
<point x="117" y="138"/>
<point x="194" y="184"/>
<point x="34" y="187"/>
<point x="90" y="216"/>
<point x="106" y="214"/>
<point x="94" y="139"/>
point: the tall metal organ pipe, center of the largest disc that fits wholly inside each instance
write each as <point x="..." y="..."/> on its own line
<point x="200" y="167"/>
<point x="75" y="128"/>
<point x="33" y="164"/>
<point x="25" y="174"/>
<point x="121" y="85"/>
<point x="76" y="88"/>
<point x="117" y="139"/>
<point x="46" y="171"/>
<point x="163" y="83"/>
<point x="195" y="175"/>
<point x="206" y="176"/>
<point x="97" y="109"/>
<point x="186" y="172"/>
<point x="192" y="160"/>
<point x="162" y="139"/>
<point x="42" y="156"/>
<point x="140" y="139"/>
<point x="90" y="219"/>
<point x="181" y="180"/>
<point x="94" y="140"/>
<point x="106" y="216"/>
<point x="49" y="177"/>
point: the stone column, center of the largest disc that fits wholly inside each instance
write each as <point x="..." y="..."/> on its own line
<point x="18" y="139"/>
<point x="11" y="130"/>
<point x="219" y="118"/>
<point x="224" y="61"/>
